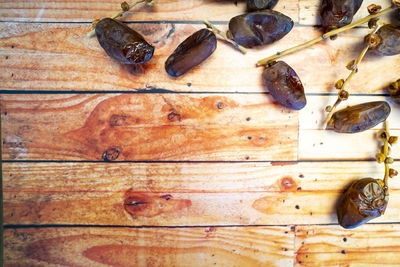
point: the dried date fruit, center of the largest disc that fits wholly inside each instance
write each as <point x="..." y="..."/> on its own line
<point x="338" y="13"/>
<point x="191" y="52"/>
<point x="363" y="201"/>
<point x="387" y="40"/>
<point x="259" y="28"/>
<point x="123" y="43"/>
<point x="359" y="118"/>
<point x="284" y="85"/>
<point x="394" y="90"/>
<point x="255" y="5"/>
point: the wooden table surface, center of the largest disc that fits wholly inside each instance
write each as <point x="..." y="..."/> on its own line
<point x="215" y="171"/>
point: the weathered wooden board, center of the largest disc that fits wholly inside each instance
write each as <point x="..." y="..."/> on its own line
<point x="61" y="58"/>
<point x="183" y="194"/>
<point x="86" y="10"/>
<point x="204" y="199"/>
<point x="315" y="143"/>
<point x="203" y="246"/>
<point x="309" y="11"/>
<point x="148" y="127"/>
<point x="368" y="245"/>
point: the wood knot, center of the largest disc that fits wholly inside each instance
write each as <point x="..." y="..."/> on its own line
<point x="174" y="116"/>
<point x="111" y="154"/>
<point x="220" y="105"/>
<point x="287" y="184"/>
<point x="151" y="205"/>
<point x="117" y="120"/>
<point x="166" y="197"/>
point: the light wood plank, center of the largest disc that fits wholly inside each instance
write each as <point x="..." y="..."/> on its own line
<point x="203" y="246"/>
<point x="183" y="194"/>
<point x="88" y="10"/>
<point x="315" y="143"/>
<point x="367" y="245"/>
<point x="61" y="57"/>
<point x="309" y="13"/>
<point x="145" y="127"/>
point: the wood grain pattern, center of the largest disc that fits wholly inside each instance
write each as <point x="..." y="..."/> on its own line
<point x="87" y="10"/>
<point x="148" y="127"/>
<point x="189" y="210"/>
<point x="368" y="245"/>
<point x="230" y="246"/>
<point x="309" y="11"/>
<point x="183" y="194"/>
<point x="50" y="57"/>
<point x="315" y="143"/>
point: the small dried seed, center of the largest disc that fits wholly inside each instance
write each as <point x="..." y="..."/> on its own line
<point x="379" y="157"/>
<point x="389" y="160"/>
<point x="339" y="84"/>
<point x="373" y="9"/>
<point x="350" y="65"/>
<point x="393" y="173"/>
<point x="125" y="6"/>
<point x="393" y="140"/>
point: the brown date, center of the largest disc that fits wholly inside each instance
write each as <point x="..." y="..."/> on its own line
<point x="388" y="40"/>
<point x="191" y="52"/>
<point x="394" y="90"/>
<point x="284" y="85"/>
<point x="123" y="43"/>
<point x="259" y="28"/>
<point x="359" y="118"/>
<point x="338" y="13"/>
<point x="255" y="5"/>
<point x="363" y="201"/>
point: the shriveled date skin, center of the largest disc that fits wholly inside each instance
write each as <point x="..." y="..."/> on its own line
<point x="284" y="85"/>
<point x="191" y="52"/>
<point x="394" y="90"/>
<point x="255" y="5"/>
<point x="359" y="118"/>
<point x="338" y="13"/>
<point x="363" y="201"/>
<point x="389" y="40"/>
<point x="259" y="28"/>
<point x="123" y="43"/>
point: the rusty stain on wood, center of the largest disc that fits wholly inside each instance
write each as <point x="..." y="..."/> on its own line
<point x="141" y="127"/>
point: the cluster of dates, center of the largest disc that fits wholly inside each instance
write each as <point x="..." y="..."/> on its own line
<point x="260" y="26"/>
<point x="365" y="199"/>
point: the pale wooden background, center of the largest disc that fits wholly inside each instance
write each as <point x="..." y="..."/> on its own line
<point x="249" y="184"/>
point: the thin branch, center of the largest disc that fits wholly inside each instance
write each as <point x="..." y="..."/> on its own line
<point x="352" y="73"/>
<point x="342" y="89"/>
<point x="122" y="11"/>
<point x="386" y="154"/>
<point x="324" y="36"/>
<point x="225" y="37"/>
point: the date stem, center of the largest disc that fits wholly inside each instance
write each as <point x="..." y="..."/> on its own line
<point x="342" y="89"/>
<point x="386" y="154"/>
<point x="324" y="36"/>
<point x="122" y="11"/>
<point x="224" y="36"/>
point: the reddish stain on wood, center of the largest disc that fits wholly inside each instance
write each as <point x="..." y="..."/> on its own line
<point x="158" y="127"/>
<point x="149" y="205"/>
<point x="47" y="250"/>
